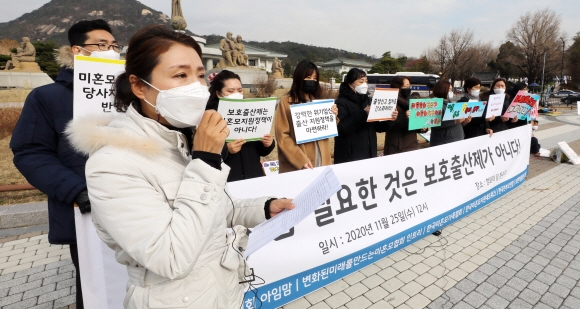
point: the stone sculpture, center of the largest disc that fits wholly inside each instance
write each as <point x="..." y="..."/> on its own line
<point x="177" y="21"/>
<point x="277" y="69"/>
<point x="241" y="56"/>
<point x="24" y="58"/>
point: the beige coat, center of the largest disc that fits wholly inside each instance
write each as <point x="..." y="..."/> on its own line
<point x="164" y="214"/>
<point x="291" y="156"/>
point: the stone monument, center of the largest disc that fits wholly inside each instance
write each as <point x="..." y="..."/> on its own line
<point x="22" y="71"/>
<point x="235" y="59"/>
<point x="277" y="70"/>
<point x="24" y="60"/>
<point x="177" y="21"/>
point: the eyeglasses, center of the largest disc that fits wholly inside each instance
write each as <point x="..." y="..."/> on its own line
<point x="106" y="46"/>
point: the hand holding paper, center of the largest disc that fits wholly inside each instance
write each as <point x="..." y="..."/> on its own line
<point x="307" y="201"/>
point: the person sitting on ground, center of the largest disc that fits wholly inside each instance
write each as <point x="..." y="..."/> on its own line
<point x="535" y="145"/>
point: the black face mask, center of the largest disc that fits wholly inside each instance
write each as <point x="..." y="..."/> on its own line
<point x="405" y="92"/>
<point x="309" y="86"/>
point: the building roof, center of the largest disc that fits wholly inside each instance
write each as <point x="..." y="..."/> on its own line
<point x="486" y="77"/>
<point x="345" y="61"/>
<point x="252" y="51"/>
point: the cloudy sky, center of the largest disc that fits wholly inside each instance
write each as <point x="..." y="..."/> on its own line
<point x="367" y="26"/>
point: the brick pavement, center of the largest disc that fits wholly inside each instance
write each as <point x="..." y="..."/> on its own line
<point x="432" y="272"/>
<point x="540" y="269"/>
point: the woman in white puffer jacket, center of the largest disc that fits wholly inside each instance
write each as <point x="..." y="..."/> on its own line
<point x="159" y="202"/>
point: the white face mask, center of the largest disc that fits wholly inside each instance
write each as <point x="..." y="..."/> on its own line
<point x="109" y="54"/>
<point x="499" y="90"/>
<point x="362" y="89"/>
<point x="235" y="95"/>
<point x="183" y="106"/>
<point x="475" y="93"/>
<point x="450" y="95"/>
<point x="534" y="128"/>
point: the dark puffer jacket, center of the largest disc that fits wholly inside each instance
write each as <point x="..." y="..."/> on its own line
<point x="44" y="156"/>
<point x="357" y="138"/>
<point x="400" y="139"/>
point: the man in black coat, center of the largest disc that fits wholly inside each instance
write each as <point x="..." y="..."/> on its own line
<point x="41" y="152"/>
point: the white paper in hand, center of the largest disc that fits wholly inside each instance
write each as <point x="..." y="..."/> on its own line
<point x="307" y="201"/>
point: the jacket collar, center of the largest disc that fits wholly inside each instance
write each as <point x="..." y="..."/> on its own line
<point x="130" y="131"/>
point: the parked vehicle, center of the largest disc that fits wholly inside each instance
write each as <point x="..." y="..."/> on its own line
<point x="571" y="99"/>
<point x="562" y="93"/>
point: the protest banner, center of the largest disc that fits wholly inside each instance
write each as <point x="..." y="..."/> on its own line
<point x="495" y="105"/>
<point x="249" y="119"/>
<point x="93" y="85"/>
<point x="425" y="113"/>
<point x="383" y="104"/>
<point x="521" y="105"/>
<point x="313" y="121"/>
<point x="464" y="109"/>
<point x="271" y="167"/>
<point x="385" y="204"/>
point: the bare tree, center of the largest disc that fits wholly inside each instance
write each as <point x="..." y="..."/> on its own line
<point x="265" y="86"/>
<point x="533" y="35"/>
<point x="452" y="53"/>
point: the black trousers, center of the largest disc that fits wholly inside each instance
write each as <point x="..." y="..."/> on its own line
<point x="74" y="254"/>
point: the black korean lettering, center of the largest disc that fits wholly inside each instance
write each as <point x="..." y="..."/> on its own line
<point x="456" y="167"/>
<point x="430" y="173"/>
<point x="345" y="201"/>
<point x="409" y="174"/>
<point x="290" y="233"/>
<point x="443" y="170"/>
<point x="391" y="180"/>
<point x="363" y="192"/>
<point x="98" y="80"/>
<point x="488" y="154"/>
<point x="466" y="162"/>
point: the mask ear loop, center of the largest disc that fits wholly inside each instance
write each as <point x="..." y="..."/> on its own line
<point x="156" y="111"/>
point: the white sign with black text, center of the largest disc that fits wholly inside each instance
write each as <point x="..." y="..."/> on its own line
<point x="495" y="105"/>
<point x="93" y="85"/>
<point x="383" y="104"/>
<point x="313" y="121"/>
<point x="249" y="119"/>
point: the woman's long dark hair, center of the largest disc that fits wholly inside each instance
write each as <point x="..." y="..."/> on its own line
<point x="145" y="48"/>
<point x="304" y="69"/>
<point x="441" y="89"/>
<point x="216" y="85"/>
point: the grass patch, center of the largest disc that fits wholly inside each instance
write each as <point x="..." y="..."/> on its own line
<point x="9" y="175"/>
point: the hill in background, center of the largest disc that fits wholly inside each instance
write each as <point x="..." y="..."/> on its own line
<point x="51" y="22"/>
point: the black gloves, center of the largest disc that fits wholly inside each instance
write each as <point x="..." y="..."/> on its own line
<point x="82" y="200"/>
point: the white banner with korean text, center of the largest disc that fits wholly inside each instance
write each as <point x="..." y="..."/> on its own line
<point x="385" y="204"/>
<point x="93" y="85"/>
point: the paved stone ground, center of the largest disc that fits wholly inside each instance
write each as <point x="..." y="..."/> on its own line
<point x="531" y="231"/>
<point x="437" y="272"/>
<point x="540" y="269"/>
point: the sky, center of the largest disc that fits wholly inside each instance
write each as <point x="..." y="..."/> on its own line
<point x="367" y="26"/>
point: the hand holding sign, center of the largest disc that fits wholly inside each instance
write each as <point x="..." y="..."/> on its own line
<point x="383" y="105"/>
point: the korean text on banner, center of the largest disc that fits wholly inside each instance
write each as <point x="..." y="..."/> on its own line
<point x="383" y="104"/>
<point x="384" y="205"/>
<point x="313" y="121"/>
<point x="249" y="119"/>
<point x="495" y="105"/>
<point x="425" y="113"/>
<point x="321" y="189"/>
<point x="521" y="105"/>
<point x="93" y="85"/>
<point x="464" y="110"/>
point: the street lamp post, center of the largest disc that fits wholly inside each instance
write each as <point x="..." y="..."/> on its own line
<point x="542" y="96"/>
<point x="562" y="69"/>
